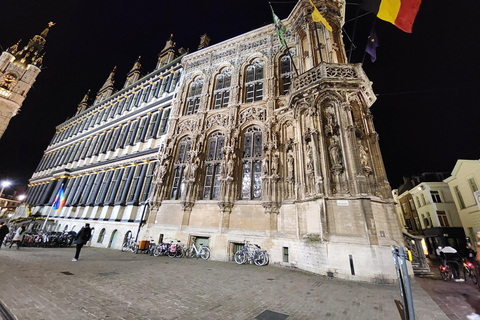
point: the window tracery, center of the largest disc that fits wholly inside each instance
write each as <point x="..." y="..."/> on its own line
<point x="222" y="89"/>
<point x="183" y="156"/>
<point x="193" y="100"/>
<point x="213" y="168"/>
<point x="252" y="163"/>
<point x="254" y="82"/>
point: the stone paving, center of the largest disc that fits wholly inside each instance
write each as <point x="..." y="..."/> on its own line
<point x="456" y="299"/>
<point x="42" y="283"/>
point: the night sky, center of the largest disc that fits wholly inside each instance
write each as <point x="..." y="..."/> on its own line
<point x="427" y="111"/>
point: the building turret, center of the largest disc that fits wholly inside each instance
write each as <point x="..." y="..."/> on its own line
<point x="107" y="89"/>
<point x="18" y="70"/>
<point x="83" y="105"/>
<point x="204" y="41"/>
<point x="134" y="74"/>
<point x="167" y="54"/>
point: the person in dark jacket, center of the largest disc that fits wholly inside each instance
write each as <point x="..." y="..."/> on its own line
<point x="82" y="238"/>
<point x="3" y="232"/>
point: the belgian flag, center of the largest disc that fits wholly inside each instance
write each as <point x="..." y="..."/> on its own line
<point x="400" y="13"/>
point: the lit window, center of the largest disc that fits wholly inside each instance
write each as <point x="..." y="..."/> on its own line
<point x="254" y="82"/>
<point x="252" y="164"/>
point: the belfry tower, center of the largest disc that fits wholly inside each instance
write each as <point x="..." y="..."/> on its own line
<point x="19" y="67"/>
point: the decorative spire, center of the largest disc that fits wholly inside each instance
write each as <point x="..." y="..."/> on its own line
<point x="204" y="41"/>
<point x="84" y="101"/>
<point x="110" y="80"/>
<point x="39" y="61"/>
<point x="45" y="32"/>
<point x="169" y="45"/>
<point x="13" y="49"/>
<point x="82" y="106"/>
<point x="28" y="55"/>
<point x="136" y="66"/>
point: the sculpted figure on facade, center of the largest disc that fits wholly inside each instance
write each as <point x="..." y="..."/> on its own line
<point x="334" y="150"/>
<point x="290" y="166"/>
<point x="309" y="159"/>
<point x="275" y="163"/>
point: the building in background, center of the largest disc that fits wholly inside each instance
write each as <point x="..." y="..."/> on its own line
<point x="19" y="67"/>
<point x="288" y="161"/>
<point x="426" y="206"/>
<point x="106" y="154"/>
<point x="463" y="184"/>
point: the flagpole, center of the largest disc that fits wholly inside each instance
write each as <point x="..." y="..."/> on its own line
<point x="318" y="42"/>
<point x="291" y="58"/>
<point x="354" y="30"/>
<point x="48" y="216"/>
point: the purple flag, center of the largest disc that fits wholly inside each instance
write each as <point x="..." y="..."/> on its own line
<point x="372" y="44"/>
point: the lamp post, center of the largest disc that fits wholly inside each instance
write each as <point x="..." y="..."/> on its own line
<point x="4" y="184"/>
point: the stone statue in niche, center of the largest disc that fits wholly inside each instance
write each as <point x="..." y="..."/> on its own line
<point x="309" y="154"/>
<point x="275" y="164"/>
<point x="329" y="121"/>
<point x="231" y="166"/>
<point x="265" y="165"/>
<point x="290" y="166"/>
<point x="334" y="151"/>
<point x="363" y="154"/>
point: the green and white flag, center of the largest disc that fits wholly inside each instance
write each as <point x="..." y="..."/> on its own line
<point x="279" y="28"/>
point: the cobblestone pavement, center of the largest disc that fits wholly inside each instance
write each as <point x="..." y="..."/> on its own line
<point x="456" y="299"/>
<point x="42" y="283"/>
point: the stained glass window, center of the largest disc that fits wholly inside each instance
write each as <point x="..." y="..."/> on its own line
<point x="254" y="82"/>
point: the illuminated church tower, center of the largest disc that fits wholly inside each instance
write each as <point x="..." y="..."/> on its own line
<point x="19" y="67"/>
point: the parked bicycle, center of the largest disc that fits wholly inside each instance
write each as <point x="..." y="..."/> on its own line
<point x="162" y="249"/>
<point x="202" y="252"/>
<point x="251" y="252"/>
<point x="130" y="244"/>
<point x="176" y="250"/>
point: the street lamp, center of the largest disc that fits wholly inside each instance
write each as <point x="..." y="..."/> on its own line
<point x="4" y="184"/>
<point x="21" y="197"/>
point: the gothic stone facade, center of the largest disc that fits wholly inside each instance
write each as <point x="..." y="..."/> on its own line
<point x="290" y="162"/>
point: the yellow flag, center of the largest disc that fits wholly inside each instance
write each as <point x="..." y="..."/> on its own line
<point x="317" y="17"/>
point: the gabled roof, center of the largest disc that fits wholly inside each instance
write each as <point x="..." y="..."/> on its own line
<point x="457" y="167"/>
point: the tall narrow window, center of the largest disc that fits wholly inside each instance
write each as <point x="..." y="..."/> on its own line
<point x="285" y="74"/>
<point x="436" y="196"/>
<point x="213" y="164"/>
<point x="147" y="184"/>
<point x="461" y="203"/>
<point x="222" y="89"/>
<point x="179" y="169"/>
<point x="254" y="82"/>
<point x="473" y="184"/>
<point x="442" y="218"/>
<point x="252" y="164"/>
<point x="193" y="100"/>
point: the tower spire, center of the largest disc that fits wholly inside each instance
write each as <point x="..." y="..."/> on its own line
<point x="167" y="54"/>
<point x="135" y="73"/>
<point x="30" y="53"/>
<point x="107" y="89"/>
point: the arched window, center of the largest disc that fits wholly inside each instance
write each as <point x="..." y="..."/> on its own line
<point x="252" y="164"/>
<point x="254" y="82"/>
<point x="179" y="168"/>
<point x="101" y="236"/>
<point x="193" y="100"/>
<point x="222" y="89"/>
<point x="285" y="74"/>
<point x="213" y="165"/>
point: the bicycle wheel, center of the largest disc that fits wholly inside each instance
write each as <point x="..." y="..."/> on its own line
<point x="190" y="252"/>
<point x="472" y="276"/>
<point x="444" y="275"/>
<point x="156" y="252"/>
<point x="179" y="253"/>
<point x="125" y="247"/>
<point x="135" y="248"/>
<point x="204" y="253"/>
<point x="240" y="257"/>
<point x="260" y="259"/>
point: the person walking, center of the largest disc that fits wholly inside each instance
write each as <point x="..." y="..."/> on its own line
<point x="18" y="238"/>
<point x="81" y="239"/>
<point x="3" y="232"/>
